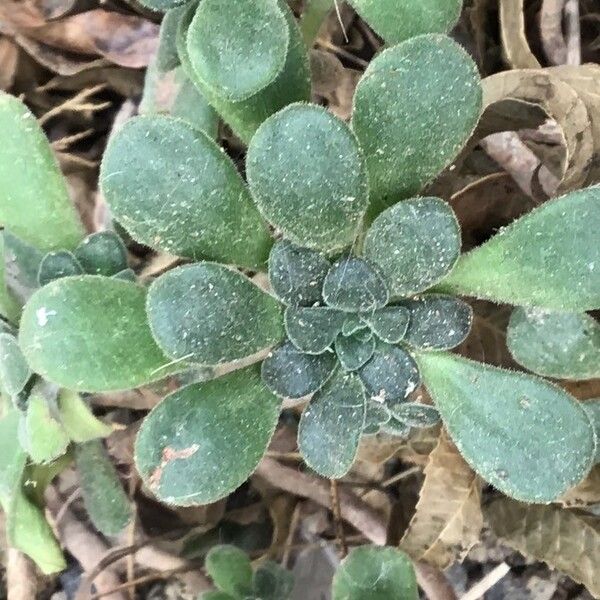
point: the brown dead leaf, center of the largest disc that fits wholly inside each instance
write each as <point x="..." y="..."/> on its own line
<point x="376" y="449"/>
<point x="514" y="41"/>
<point x="448" y="518"/>
<point x="567" y="540"/>
<point x="9" y="57"/>
<point x="586" y="493"/>
<point x="553" y="41"/>
<point x="582" y="390"/>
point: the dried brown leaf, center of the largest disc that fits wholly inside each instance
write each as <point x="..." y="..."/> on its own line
<point x="376" y="449"/>
<point x="553" y="41"/>
<point x="567" y="540"/>
<point x="9" y="57"/>
<point x="448" y="517"/>
<point x="582" y="390"/>
<point x="514" y="41"/>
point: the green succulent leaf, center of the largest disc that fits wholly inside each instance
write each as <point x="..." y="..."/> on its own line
<point x="353" y="285"/>
<point x="352" y="324"/>
<point x="9" y="307"/>
<point x="12" y="457"/>
<point x="414" y="109"/>
<point x="272" y="582"/>
<point x="414" y="243"/>
<point x="245" y="116"/>
<point x="167" y="58"/>
<point x="56" y="265"/>
<point x="549" y="258"/>
<point x="331" y="425"/>
<point x="191" y="106"/>
<point x="525" y="436"/>
<point x="102" y="253"/>
<point x="239" y="51"/>
<point x="308" y="176"/>
<point x="297" y="274"/>
<point x="126" y="275"/>
<point x="353" y="351"/>
<point x="22" y="265"/>
<point x="313" y="329"/>
<point x="391" y="375"/>
<point x="14" y="370"/>
<point x="553" y="344"/>
<point x="416" y="414"/>
<point x="34" y="200"/>
<point x="230" y="569"/>
<point x="161" y="5"/>
<point x="210" y="314"/>
<point x="592" y="410"/>
<point x="204" y="440"/>
<point x="290" y="373"/>
<point x="105" y="500"/>
<point x="90" y="333"/>
<point x="78" y="421"/>
<point x="389" y="324"/>
<point x="375" y="573"/>
<point x="396" y="21"/>
<point x="152" y="177"/>
<point x="437" y="322"/>
<point x="377" y="416"/>
<point x="396" y="428"/>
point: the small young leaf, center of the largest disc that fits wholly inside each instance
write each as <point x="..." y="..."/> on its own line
<point x="211" y="314"/>
<point x="416" y="414"/>
<point x="152" y="177"/>
<point x="78" y="420"/>
<point x="352" y="324"/>
<point x="102" y="253"/>
<point x="331" y="424"/>
<point x="103" y="496"/>
<point x="389" y="324"/>
<point x="375" y="573"/>
<point x="561" y="345"/>
<point x="527" y="437"/>
<point x="353" y="351"/>
<point x="308" y="176"/>
<point x="230" y="569"/>
<point x="398" y="20"/>
<point x="313" y="329"/>
<point x="14" y="370"/>
<point x="414" y="243"/>
<point x="167" y="58"/>
<point x="90" y="333"/>
<point x="272" y="582"/>
<point x="396" y="428"/>
<point x="437" y="322"/>
<point x="414" y="109"/>
<point x="353" y="285"/>
<point x="297" y="274"/>
<point x="204" y="440"/>
<point x="34" y="201"/>
<point x="377" y="416"/>
<point x="549" y="258"/>
<point x="239" y="51"/>
<point x="56" y="265"/>
<point x="391" y="375"/>
<point x="290" y="373"/>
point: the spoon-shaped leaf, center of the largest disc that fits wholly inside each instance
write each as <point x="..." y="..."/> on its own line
<point x="173" y="189"/>
<point x="414" y="109"/>
<point x="313" y="329"/>
<point x="204" y="440"/>
<point x="524" y="435"/>
<point x="90" y="333"/>
<point x="549" y="258"/>
<point x="353" y="351"/>
<point x="414" y="243"/>
<point x="34" y="201"/>
<point x="331" y="425"/>
<point x="211" y="314"/>
<point x="308" y="176"/>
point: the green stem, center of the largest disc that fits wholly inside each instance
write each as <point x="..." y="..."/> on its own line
<point x="313" y="18"/>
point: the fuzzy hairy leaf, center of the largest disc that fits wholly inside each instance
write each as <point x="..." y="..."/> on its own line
<point x="9" y="307"/>
<point x="448" y="518"/>
<point x="297" y="274"/>
<point x="166" y="55"/>
<point x="239" y="51"/>
<point x="389" y="324"/>
<point x="414" y="243"/>
<point x="313" y="329"/>
<point x="416" y="414"/>
<point x="14" y="370"/>
<point x="437" y="322"/>
<point x="102" y="253"/>
<point x="331" y="425"/>
<point x="204" y="440"/>
<point x="58" y="264"/>
<point x="396" y="21"/>
<point x="566" y="540"/>
<point x="34" y="201"/>
<point x="272" y="582"/>
<point x="173" y="189"/>
<point x="78" y="420"/>
<point x="22" y="265"/>
<point x="308" y="176"/>
<point x="376" y="416"/>
<point x="244" y="117"/>
<point x="549" y="258"/>
<point x="561" y="345"/>
<point x="354" y="323"/>
<point x="105" y="500"/>
<point x="210" y="314"/>
<point x="525" y="436"/>
<point x="414" y="109"/>
<point x="290" y="373"/>
<point x="353" y="285"/>
<point x="230" y="569"/>
<point x="353" y="351"/>
<point x="90" y="333"/>
<point x="375" y="573"/>
<point x="161" y="5"/>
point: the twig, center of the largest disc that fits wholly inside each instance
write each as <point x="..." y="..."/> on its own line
<point x="337" y="517"/>
<point x="77" y="104"/>
<point x="433" y="582"/>
<point x="341" y="52"/>
<point x="490" y="580"/>
<point x="65" y="142"/>
<point x="401" y="476"/>
<point x="285" y="558"/>
<point x="573" y="32"/>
